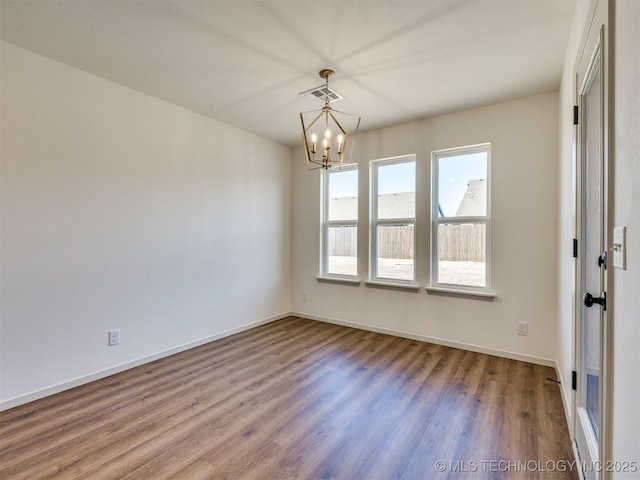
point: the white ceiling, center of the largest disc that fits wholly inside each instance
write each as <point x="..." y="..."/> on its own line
<point x="244" y="62"/>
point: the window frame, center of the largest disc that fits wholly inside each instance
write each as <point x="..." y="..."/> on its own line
<point x="326" y="224"/>
<point x="375" y="222"/>
<point x="436" y="221"/>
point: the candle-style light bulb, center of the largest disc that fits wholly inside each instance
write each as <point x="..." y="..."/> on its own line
<point x="325" y="154"/>
<point x="340" y="140"/>
<point x="327" y="134"/>
<point x="314" y="138"/>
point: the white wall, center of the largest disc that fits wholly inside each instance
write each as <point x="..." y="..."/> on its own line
<point x="523" y="134"/>
<point x="625" y="426"/>
<point x="626" y="302"/>
<point x="123" y="211"/>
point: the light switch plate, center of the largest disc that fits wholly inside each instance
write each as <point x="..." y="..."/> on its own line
<point x="620" y="247"/>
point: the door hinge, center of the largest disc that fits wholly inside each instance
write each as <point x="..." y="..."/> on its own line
<point x="575" y="248"/>
<point x="574" y="380"/>
<point x="575" y="114"/>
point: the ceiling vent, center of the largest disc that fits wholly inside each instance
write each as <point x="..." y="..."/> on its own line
<point x="323" y="91"/>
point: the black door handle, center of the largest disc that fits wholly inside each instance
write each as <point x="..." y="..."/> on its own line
<point x="589" y="300"/>
<point x="602" y="260"/>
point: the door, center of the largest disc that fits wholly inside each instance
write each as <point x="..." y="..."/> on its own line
<point x="591" y="321"/>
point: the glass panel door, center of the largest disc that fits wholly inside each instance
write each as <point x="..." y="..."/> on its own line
<point x="592" y="248"/>
<point x="591" y="280"/>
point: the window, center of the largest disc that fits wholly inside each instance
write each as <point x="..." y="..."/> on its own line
<point x="393" y="220"/>
<point x="460" y="218"/>
<point x="340" y="223"/>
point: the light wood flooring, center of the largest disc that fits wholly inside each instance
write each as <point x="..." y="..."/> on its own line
<point x="298" y="399"/>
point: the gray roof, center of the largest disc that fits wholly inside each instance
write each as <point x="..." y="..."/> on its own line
<point x="474" y="202"/>
<point x="344" y="208"/>
<point x="403" y="205"/>
<point x="397" y="205"/>
<point x="391" y="205"/>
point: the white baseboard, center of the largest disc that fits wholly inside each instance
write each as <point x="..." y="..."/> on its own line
<point x="566" y="402"/>
<point x="547" y="362"/>
<point x="45" y="392"/>
<point x="60" y="387"/>
<point x="576" y="455"/>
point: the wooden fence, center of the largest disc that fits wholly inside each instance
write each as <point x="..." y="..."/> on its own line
<point x="462" y="242"/>
<point x="465" y="242"/>
<point x="395" y="241"/>
<point x="342" y="241"/>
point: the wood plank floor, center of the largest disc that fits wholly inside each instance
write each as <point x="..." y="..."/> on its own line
<point x="299" y="399"/>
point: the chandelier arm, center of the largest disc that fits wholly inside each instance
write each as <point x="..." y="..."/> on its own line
<point x="352" y="143"/>
<point x="338" y="124"/>
<point x="317" y="110"/>
<point x="306" y="149"/>
<point x="314" y="120"/>
<point x="341" y="113"/>
<point x="319" y="165"/>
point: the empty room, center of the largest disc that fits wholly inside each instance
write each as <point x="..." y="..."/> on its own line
<point x="283" y="239"/>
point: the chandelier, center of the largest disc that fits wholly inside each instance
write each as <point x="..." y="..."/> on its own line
<point x="327" y="134"/>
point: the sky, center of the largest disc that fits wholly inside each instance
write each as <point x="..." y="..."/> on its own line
<point x="344" y="184"/>
<point x="396" y="178"/>
<point x="454" y="174"/>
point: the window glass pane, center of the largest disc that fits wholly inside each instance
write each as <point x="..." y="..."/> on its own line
<point x="397" y="190"/>
<point x="462" y="185"/>
<point x="343" y="195"/>
<point x="395" y="251"/>
<point x="462" y="254"/>
<point x="342" y="250"/>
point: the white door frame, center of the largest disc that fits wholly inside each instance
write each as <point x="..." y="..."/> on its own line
<point x="598" y="35"/>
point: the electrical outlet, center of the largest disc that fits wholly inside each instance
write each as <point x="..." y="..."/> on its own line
<point x="305" y="296"/>
<point x="114" y="337"/>
<point x="523" y="328"/>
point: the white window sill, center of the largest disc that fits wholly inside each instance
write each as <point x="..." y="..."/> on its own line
<point x="343" y="280"/>
<point x="461" y="292"/>
<point x="396" y="286"/>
